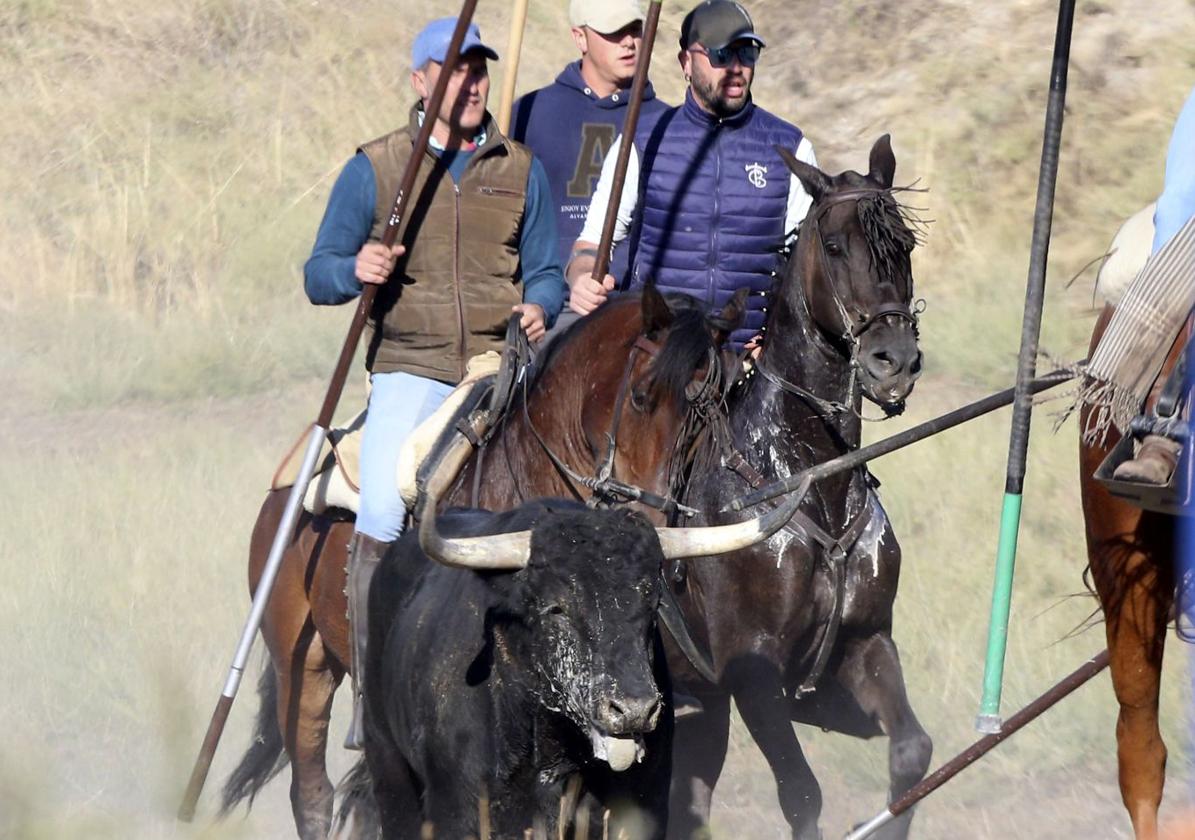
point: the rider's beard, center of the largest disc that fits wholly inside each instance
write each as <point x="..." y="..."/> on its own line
<point x="713" y="97"/>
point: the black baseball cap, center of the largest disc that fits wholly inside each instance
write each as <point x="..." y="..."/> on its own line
<point x="716" y="24"/>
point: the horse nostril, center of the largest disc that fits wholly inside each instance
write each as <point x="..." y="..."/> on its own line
<point x="882" y="363"/>
<point x="915" y="368"/>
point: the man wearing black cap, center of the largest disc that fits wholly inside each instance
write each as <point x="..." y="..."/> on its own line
<point x="709" y="204"/>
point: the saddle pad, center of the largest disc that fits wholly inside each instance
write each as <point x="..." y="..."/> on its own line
<point x="1127" y="254"/>
<point x="336" y="482"/>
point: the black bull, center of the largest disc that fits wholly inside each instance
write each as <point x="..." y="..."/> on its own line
<point x="499" y="686"/>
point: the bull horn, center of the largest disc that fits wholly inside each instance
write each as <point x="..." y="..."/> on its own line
<point x="677" y="543"/>
<point x="497" y="552"/>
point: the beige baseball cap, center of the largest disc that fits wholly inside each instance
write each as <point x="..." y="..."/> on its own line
<point x="604" y="16"/>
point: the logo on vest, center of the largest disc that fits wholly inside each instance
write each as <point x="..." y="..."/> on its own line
<point x="755" y="174"/>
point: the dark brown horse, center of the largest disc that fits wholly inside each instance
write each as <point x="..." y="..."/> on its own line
<point x="658" y="347"/>
<point x="799" y="627"/>
<point x="1131" y="553"/>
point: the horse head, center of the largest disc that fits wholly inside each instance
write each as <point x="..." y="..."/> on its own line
<point x="851" y="273"/>
<point x="649" y="364"/>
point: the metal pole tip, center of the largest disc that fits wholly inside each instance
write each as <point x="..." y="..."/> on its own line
<point x="989" y="724"/>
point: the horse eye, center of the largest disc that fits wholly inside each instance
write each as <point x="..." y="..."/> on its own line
<point x="833" y="249"/>
<point x="639" y="400"/>
<point x="554" y="609"/>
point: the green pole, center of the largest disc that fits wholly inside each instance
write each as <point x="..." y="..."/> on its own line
<point x="1010" y="517"/>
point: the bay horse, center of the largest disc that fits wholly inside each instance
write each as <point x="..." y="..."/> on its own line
<point x="658" y="347"/>
<point x="1131" y="554"/>
<point x="800" y="627"/>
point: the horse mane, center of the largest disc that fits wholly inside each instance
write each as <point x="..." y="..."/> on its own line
<point x="891" y="230"/>
<point x="688" y="345"/>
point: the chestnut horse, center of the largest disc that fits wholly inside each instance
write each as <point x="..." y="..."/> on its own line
<point x="1131" y="554"/>
<point x="658" y="347"/>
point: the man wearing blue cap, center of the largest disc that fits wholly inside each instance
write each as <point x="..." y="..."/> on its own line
<point x="571" y="124"/>
<point x="477" y="243"/>
<point x="709" y="203"/>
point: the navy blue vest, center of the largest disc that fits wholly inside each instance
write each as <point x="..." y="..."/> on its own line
<point x="712" y="201"/>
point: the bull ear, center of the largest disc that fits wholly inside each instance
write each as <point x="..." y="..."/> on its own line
<point x="815" y="182"/>
<point x="656" y="314"/>
<point x="882" y="163"/>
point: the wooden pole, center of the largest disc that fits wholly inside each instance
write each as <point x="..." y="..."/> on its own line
<point x="514" y="49"/>
<point x="982" y="747"/>
<point x="602" y="263"/>
<point x="319" y="433"/>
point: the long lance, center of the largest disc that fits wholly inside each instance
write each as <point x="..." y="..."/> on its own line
<point x="315" y="442"/>
<point x="897" y="441"/>
<point x="1018" y="446"/>
<point x="981" y="747"/>
<point x="638" y="85"/>
<point x="514" y="49"/>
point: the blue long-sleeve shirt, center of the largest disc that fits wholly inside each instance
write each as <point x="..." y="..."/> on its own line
<point x="329" y="275"/>
<point x="1176" y="204"/>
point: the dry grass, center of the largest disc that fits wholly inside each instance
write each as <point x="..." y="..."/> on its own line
<point x="166" y="167"/>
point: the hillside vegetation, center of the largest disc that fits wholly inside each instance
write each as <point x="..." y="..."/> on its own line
<point x="166" y="166"/>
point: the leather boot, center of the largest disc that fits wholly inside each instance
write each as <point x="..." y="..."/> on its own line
<point x="1154" y="463"/>
<point x="364" y="556"/>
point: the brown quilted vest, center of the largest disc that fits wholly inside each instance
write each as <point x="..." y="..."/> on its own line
<point x="450" y="295"/>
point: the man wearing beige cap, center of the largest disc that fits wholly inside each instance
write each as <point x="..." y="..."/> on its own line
<point x="571" y="124"/>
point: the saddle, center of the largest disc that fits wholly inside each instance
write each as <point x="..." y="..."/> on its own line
<point x="336" y="481"/>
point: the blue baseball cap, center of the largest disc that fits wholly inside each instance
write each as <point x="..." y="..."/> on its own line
<point x="432" y="43"/>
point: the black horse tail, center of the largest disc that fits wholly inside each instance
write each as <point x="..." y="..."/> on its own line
<point x="357" y="804"/>
<point x="265" y="757"/>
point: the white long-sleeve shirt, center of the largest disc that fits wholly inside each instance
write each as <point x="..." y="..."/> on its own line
<point x="799" y="201"/>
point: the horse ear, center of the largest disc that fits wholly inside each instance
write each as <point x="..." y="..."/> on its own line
<point x="735" y="310"/>
<point x="882" y="162"/>
<point x="722" y="323"/>
<point x="813" y="179"/>
<point x="656" y="314"/>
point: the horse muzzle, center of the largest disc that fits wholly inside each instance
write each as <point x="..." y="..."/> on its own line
<point x="889" y="370"/>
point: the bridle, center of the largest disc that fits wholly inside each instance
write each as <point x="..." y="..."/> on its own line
<point x="604" y="488"/>
<point x="854" y="325"/>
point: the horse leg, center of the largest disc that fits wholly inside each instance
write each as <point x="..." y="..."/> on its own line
<point x="870" y="670"/>
<point x="760" y="699"/>
<point x="1134" y="587"/>
<point x="698" y="753"/>
<point x="305" y="693"/>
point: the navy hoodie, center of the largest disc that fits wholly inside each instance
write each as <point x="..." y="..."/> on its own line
<point x="570" y="130"/>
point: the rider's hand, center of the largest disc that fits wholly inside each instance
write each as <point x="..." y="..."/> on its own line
<point x="755" y="346"/>
<point x="588" y="294"/>
<point x="585" y="293"/>
<point x="533" y="321"/>
<point x="375" y="262"/>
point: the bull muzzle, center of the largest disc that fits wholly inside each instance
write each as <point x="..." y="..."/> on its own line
<point x="624" y="715"/>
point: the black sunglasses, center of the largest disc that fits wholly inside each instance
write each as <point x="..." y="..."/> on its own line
<point x="747" y="54"/>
